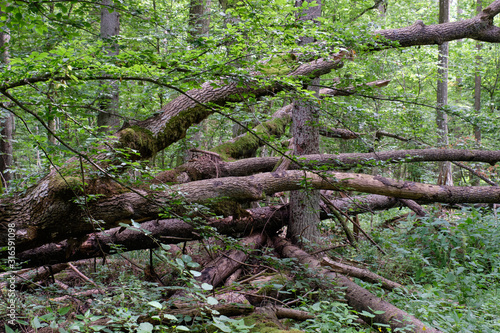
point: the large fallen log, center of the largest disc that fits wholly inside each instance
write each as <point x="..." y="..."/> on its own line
<point x="72" y="220"/>
<point x="173" y="231"/>
<point x="357" y="297"/>
<point x="149" y="235"/>
<point x="197" y="170"/>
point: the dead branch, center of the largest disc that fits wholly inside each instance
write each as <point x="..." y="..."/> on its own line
<point x="360" y="273"/>
<point x="219" y="269"/>
<point x="357" y="297"/>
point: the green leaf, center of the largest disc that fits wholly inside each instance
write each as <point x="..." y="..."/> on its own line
<point x="195" y="273"/>
<point x="169" y="317"/>
<point x="182" y="328"/>
<point x="206" y="286"/>
<point x="145" y="328"/>
<point x="156" y="304"/>
<point x="63" y="311"/>
<point x="212" y="301"/>
<point x="8" y="329"/>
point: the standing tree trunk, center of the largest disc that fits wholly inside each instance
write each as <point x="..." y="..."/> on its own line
<point x="477" y="85"/>
<point x="107" y="119"/>
<point x="304" y="205"/>
<point x="199" y="18"/>
<point x="6" y="121"/>
<point x="445" y="171"/>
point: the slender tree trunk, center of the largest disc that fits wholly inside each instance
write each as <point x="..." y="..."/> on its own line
<point x="107" y="119"/>
<point x="477" y="85"/>
<point x="6" y="121"/>
<point x="304" y="205"/>
<point x="445" y="171"/>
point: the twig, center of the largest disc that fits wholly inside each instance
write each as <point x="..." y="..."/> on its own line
<point x="85" y="278"/>
<point x="253" y="277"/>
<point x="328" y="249"/>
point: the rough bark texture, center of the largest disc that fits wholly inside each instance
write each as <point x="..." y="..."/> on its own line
<point x="173" y="231"/>
<point x="479" y="28"/>
<point x="150" y="235"/>
<point x="304" y="205"/>
<point x="6" y="136"/>
<point x="477" y="85"/>
<point x="199" y="18"/>
<point x="107" y="118"/>
<point x="246" y="145"/>
<point x="43" y="219"/>
<point x="219" y="269"/>
<point x="360" y="273"/>
<point x="201" y="169"/>
<point x="357" y="297"/>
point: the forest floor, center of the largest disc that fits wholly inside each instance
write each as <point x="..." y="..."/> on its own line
<point x="448" y="264"/>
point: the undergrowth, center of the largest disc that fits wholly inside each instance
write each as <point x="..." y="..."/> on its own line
<point x="448" y="262"/>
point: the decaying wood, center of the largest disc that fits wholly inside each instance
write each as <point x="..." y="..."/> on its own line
<point x="360" y="273"/>
<point x="233" y="277"/>
<point x="197" y="170"/>
<point x="86" y="293"/>
<point x="218" y="270"/>
<point x="380" y="134"/>
<point x="414" y="207"/>
<point x="173" y="231"/>
<point x="479" y="28"/>
<point x="298" y="315"/>
<point x="150" y="235"/>
<point x="357" y="297"/>
<point x="145" y="204"/>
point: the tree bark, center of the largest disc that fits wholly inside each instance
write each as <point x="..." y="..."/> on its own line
<point x="360" y="273"/>
<point x="199" y="18"/>
<point x="107" y="119"/>
<point x="480" y="28"/>
<point x="477" y="85"/>
<point x="150" y="235"/>
<point x="6" y="121"/>
<point x="445" y="171"/>
<point x="219" y="269"/>
<point x="304" y="204"/>
<point x="40" y="219"/>
<point x="201" y="169"/>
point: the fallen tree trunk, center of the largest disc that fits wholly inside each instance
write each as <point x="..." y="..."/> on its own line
<point x="140" y="204"/>
<point x="150" y="235"/>
<point x="197" y="170"/>
<point x="173" y="231"/>
<point x="360" y="273"/>
<point x="357" y="297"/>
